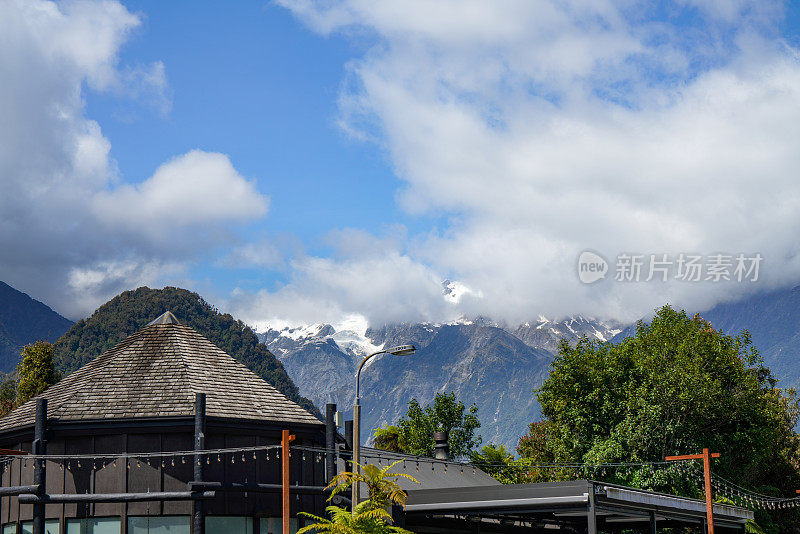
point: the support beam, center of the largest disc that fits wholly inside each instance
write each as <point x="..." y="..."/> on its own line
<point x="286" y="439"/>
<point x="115" y="497"/>
<point x="198" y="507"/>
<point x="706" y="456"/>
<point x="348" y="439"/>
<point x="591" y="516"/>
<point x="330" y="441"/>
<point x="39" y="476"/>
<point x="252" y="487"/>
<point x="653" y="523"/>
<point x="709" y="499"/>
<point x="18" y="490"/>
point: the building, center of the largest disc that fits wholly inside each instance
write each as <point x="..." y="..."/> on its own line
<point x="167" y="434"/>
<point x="116" y="428"/>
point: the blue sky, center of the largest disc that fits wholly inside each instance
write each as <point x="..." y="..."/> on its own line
<point x="307" y="161"/>
<point x="264" y="91"/>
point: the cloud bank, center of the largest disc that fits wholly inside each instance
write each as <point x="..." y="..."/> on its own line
<point x="542" y="129"/>
<point x="72" y="229"/>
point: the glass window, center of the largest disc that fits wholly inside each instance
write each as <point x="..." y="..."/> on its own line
<point x="274" y="525"/>
<point x="10" y="528"/>
<point x="163" y="524"/>
<point x="94" y="525"/>
<point x="227" y="524"/>
<point x="27" y="527"/>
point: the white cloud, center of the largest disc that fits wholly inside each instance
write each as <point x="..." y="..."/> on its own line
<point x="545" y="128"/>
<point x="72" y="231"/>
<point x="384" y="286"/>
<point x="194" y="189"/>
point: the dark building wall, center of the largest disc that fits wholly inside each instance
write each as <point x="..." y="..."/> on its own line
<point x="141" y="475"/>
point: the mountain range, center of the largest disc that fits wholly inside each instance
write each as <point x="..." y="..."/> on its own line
<point x="492" y="365"/>
<point x="24" y="320"/>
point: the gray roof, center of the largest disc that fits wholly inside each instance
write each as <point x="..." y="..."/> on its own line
<point x="156" y="373"/>
<point x="430" y="473"/>
<point x="552" y="501"/>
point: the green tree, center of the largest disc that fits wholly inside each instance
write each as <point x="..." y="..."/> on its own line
<point x="536" y="444"/>
<point x="370" y="516"/>
<point x="37" y="370"/>
<point x="389" y="438"/>
<point x="675" y="387"/>
<point x="497" y="462"/>
<point x="8" y="396"/>
<point x="445" y="414"/>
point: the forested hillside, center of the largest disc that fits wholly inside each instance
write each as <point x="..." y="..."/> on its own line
<point x="128" y="312"/>
<point x="24" y="320"/>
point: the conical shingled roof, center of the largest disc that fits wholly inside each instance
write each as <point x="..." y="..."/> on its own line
<point x="156" y="373"/>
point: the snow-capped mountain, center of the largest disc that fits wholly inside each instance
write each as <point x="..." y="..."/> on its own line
<point x="493" y="365"/>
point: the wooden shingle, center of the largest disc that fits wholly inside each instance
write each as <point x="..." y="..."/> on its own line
<point x="156" y="373"/>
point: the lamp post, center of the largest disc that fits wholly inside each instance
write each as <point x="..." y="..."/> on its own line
<point x="400" y="350"/>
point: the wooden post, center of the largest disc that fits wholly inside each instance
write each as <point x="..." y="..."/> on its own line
<point x="286" y="439"/>
<point x="706" y="457"/>
<point x="709" y="502"/>
<point x="198" y="507"/>
<point x="330" y="442"/>
<point x="39" y="465"/>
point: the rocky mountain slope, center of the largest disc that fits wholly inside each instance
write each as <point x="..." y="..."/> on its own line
<point x="24" y="320"/>
<point x="495" y="366"/>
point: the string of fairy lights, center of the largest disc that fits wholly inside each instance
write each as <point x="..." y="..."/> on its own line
<point x="686" y="469"/>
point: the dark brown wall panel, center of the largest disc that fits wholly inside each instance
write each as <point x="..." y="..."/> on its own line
<point x="215" y="471"/>
<point x="177" y="472"/>
<point x="109" y="477"/>
<point x="55" y="478"/>
<point x="26" y="478"/>
<point x="143" y="475"/>
<point x="77" y="474"/>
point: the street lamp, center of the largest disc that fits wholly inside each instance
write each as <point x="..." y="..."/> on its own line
<point x="400" y="350"/>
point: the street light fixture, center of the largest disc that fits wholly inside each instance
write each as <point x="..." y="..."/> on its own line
<point x="400" y="350"/>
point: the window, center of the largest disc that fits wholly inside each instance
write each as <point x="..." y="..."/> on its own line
<point x="274" y="525"/>
<point x="10" y="528"/>
<point x="50" y="527"/>
<point x="94" y="525"/>
<point x="229" y="525"/>
<point x="159" y="524"/>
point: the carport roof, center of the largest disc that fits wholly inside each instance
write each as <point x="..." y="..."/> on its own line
<point x="572" y="501"/>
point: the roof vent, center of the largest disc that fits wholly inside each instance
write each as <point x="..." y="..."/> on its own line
<point x="165" y="318"/>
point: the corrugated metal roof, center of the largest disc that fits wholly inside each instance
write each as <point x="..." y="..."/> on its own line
<point x="430" y="473"/>
<point x="156" y="373"/>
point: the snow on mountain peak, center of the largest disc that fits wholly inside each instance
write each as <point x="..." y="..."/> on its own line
<point x="454" y="291"/>
<point x="351" y="334"/>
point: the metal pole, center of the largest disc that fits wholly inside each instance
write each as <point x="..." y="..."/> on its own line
<point x="709" y="501"/>
<point x="357" y="428"/>
<point x="39" y="466"/>
<point x="356" y="451"/>
<point x="591" y="516"/>
<point x="330" y="442"/>
<point x="653" y="523"/>
<point x="286" y="439"/>
<point x="198" y="507"/>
